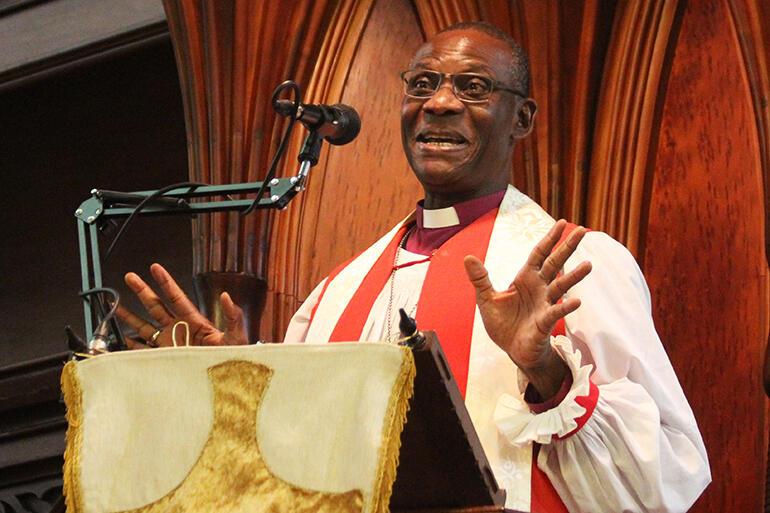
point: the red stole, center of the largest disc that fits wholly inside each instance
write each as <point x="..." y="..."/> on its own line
<point x="447" y="302"/>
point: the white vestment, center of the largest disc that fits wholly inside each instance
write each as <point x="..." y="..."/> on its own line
<point x="640" y="449"/>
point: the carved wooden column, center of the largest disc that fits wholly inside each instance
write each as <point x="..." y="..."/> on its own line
<point x="230" y="55"/>
<point x="359" y="191"/>
<point x="625" y="124"/>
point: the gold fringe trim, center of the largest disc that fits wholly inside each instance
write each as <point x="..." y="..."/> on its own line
<point x="393" y="425"/>
<point x="73" y="399"/>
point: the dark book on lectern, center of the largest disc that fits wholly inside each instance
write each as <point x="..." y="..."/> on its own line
<point x="442" y="466"/>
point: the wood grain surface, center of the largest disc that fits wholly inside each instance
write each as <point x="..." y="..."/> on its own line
<point x="288" y="264"/>
<point x="230" y="56"/>
<point x="641" y="37"/>
<point x="704" y="256"/>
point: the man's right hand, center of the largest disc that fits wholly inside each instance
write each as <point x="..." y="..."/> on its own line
<point x="178" y="307"/>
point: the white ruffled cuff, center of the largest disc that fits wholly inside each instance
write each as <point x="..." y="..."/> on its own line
<point x="521" y="427"/>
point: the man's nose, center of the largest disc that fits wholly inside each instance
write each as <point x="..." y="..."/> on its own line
<point x="443" y="101"/>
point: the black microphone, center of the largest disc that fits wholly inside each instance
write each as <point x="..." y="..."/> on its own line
<point x="339" y="124"/>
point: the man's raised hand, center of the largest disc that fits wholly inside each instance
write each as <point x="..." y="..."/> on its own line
<point x="178" y="307"/>
<point x="520" y="319"/>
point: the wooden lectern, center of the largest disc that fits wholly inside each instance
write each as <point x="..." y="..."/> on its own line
<point x="313" y="424"/>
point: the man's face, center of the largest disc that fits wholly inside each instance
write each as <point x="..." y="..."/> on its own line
<point x="460" y="150"/>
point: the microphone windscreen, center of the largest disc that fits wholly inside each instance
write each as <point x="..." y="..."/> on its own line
<point x="349" y="124"/>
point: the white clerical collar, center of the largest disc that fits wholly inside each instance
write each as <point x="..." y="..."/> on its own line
<point x="440" y="217"/>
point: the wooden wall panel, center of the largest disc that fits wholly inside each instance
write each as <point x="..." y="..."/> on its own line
<point x="625" y="119"/>
<point x="579" y="71"/>
<point x="357" y="191"/>
<point x="368" y="185"/>
<point x="704" y="256"/>
<point x="330" y="72"/>
<point x="566" y="43"/>
<point x="433" y="15"/>
<point x="231" y="55"/>
<point x="535" y="26"/>
<point x="752" y="20"/>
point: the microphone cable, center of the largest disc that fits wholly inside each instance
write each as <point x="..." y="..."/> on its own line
<point x="109" y="317"/>
<point x="287" y="84"/>
<point x="141" y="205"/>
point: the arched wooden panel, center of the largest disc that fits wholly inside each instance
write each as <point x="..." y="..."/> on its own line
<point x="566" y="45"/>
<point x="752" y="18"/>
<point x="434" y="15"/>
<point x="533" y="28"/>
<point x="704" y="251"/>
<point x="586" y="28"/>
<point x="357" y="191"/>
<point x="624" y="125"/>
<point x="368" y="186"/>
<point x="230" y="56"/>
<point x="325" y="85"/>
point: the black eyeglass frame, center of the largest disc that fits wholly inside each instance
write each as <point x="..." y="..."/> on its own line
<point x="495" y="85"/>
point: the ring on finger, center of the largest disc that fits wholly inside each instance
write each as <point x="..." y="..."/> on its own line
<point x="153" y="342"/>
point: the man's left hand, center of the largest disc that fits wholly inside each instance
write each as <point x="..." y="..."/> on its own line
<point x="520" y="319"/>
<point x="180" y="308"/>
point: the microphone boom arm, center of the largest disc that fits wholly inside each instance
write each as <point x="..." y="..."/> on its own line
<point x="104" y="206"/>
<point x="339" y="124"/>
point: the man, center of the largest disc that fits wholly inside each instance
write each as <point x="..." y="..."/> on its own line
<point x="592" y="421"/>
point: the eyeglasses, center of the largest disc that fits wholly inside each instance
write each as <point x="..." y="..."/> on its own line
<point x="468" y="87"/>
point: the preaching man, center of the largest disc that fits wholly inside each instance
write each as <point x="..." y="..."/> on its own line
<point x="548" y="329"/>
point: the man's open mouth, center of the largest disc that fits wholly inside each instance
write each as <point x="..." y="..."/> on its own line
<point x="441" y="140"/>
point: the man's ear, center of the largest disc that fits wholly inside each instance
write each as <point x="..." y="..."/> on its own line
<point x="525" y="118"/>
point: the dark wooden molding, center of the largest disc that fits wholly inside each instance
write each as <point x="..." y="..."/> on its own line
<point x="84" y="55"/>
<point x="32" y="430"/>
<point x="32" y="423"/>
<point x="11" y="6"/>
<point x="42" y="496"/>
